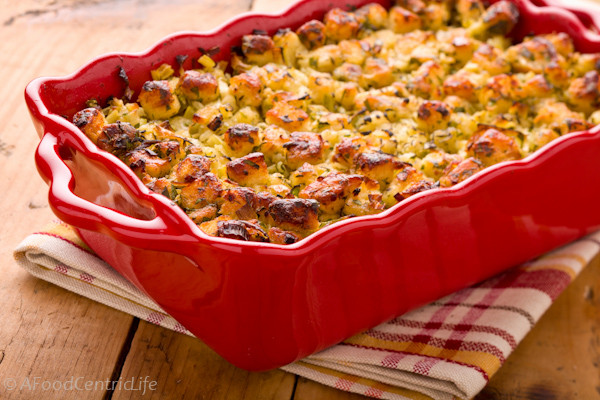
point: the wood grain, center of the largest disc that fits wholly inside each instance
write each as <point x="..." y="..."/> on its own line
<point x="49" y="333"/>
<point x="185" y="368"/>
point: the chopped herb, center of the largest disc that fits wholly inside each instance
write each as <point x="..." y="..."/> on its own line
<point x="181" y="59"/>
<point x="251" y="164"/>
<point x="123" y="75"/>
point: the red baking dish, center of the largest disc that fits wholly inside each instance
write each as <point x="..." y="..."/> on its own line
<point x="264" y="305"/>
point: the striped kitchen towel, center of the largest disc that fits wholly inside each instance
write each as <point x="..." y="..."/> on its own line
<point x="445" y="350"/>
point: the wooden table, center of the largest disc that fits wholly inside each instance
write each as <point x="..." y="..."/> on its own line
<point x="49" y="334"/>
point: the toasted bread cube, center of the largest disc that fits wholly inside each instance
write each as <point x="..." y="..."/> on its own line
<point x="241" y="230"/>
<point x="340" y="25"/>
<point x="536" y="86"/>
<point x="416" y="6"/>
<point x="395" y="108"/>
<point x="585" y="63"/>
<point x="500" y="18"/>
<point x="540" y="137"/>
<point x="204" y="190"/>
<point x="158" y="100"/>
<point x="433" y="115"/>
<point x="331" y="191"/>
<point x="312" y="34"/>
<point x="171" y="150"/>
<point x="491" y="60"/>
<point x="190" y="168"/>
<point x="427" y="80"/>
<point x="500" y="92"/>
<point x="435" y="15"/>
<point x="287" y="116"/>
<point x="260" y="49"/>
<point x="491" y="146"/>
<point x="304" y="147"/>
<point x="456" y="173"/>
<point x="279" y="236"/>
<point x="145" y="161"/>
<point x="118" y="138"/>
<point x="333" y="121"/>
<point x="250" y="170"/>
<point x="376" y="165"/>
<point x="298" y="215"/>
<point x="195" y="85"/>
<point x="463" y="48"/>
<point x="160" y="185"/>
<point x="353" y="51"/>
<point x="211" y="227"/>
<point x="584" y="92"/>
<point x="247" y="89"/>
<point x="552" y="111"/>
<point x="242" y="138"/>
<point x="347" y="72"/>
<point x="346" y="150"/>
<point x="406" y="183"/>
<point x="436" y="163"/>
<point x="532" y="55"/>
<point x="556" y="74"/>
<point x="372" y="16"/>
<point x="304" y="175"/>
<point x="325" y="58"/>
<point x="203" y="214"/>
<point x="376" y="73"/>
<point x="90" y="121"/>
<point x="402" y="20"/>
<point x="414" y="188"/>
<point x="365" y="200"/>
<point x="156" y="160"/>
<point x="469" y="11"/>
<point x="461" y="85"/>
<point x="239" y="203"/>
<point x="290" y="45"/>
<point x="562" y="42"/>
<point x="345" y="94"/>
<point x="322" y="89"/>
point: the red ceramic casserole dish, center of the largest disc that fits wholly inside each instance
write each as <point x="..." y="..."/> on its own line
<point x="265" y="305"/>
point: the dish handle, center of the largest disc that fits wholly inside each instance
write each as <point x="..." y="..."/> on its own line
<point x="153" y="233"/>
<point x="579" y="21"/>
<point x="587" y="12"/>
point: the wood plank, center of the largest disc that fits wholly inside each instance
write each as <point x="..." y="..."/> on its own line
<point x="50" y="335"/>
<point x="270" y="6"/>
<point x="185" y="368"/>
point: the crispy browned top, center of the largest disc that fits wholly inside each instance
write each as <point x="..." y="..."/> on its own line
<point x="347" y="116"/>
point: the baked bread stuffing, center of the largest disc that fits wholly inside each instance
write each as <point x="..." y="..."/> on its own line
<point x="347" y="116"/>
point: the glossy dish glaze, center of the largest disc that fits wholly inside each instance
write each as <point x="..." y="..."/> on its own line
<point x="263" y="305"/>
